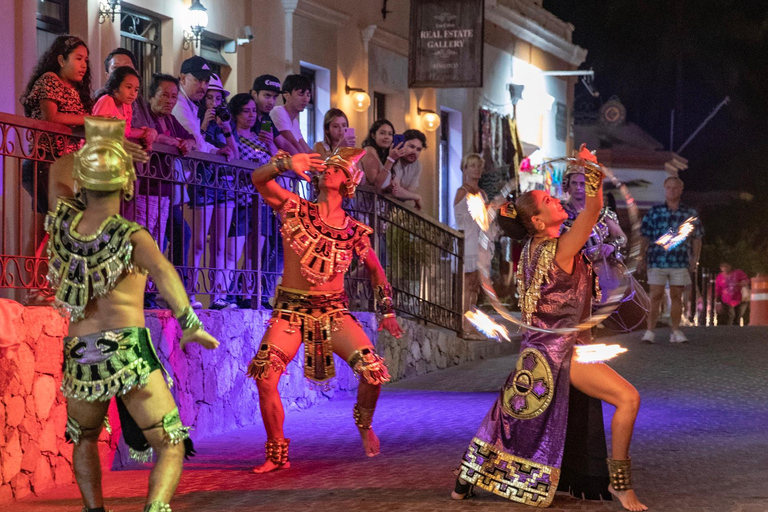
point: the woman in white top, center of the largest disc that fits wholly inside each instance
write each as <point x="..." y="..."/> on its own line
<point x="472" y="166"/>
<point x="335" y="124"/>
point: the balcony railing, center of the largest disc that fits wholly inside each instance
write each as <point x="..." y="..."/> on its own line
<point x="224" y="241"/>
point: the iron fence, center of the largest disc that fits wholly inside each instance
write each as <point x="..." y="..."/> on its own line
<point x="222" y="238"/>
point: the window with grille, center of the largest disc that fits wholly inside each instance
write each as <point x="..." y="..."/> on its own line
<point x="140" y="33"/>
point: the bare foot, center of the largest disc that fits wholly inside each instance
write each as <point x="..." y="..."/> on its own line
<point x="628" y="499"/>
<point x="370" y="441"/>
<point x="270" y="466"/>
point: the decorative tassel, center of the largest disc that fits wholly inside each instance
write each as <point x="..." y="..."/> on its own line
<point x="141" y="456"/>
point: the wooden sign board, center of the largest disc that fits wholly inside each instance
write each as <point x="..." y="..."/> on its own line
<point x="446" y="43"/>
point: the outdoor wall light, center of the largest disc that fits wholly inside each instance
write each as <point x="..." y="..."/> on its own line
<point x="108" y="9"/>
<point x="198" y="21"/>
<point x="360" y="99"/>
<point x="429" y="119"/>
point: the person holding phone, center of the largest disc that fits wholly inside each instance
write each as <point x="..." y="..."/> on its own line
<point x="406" y="170"/>
<point x="266" y="89"/>
<point x="380" y="153"/>
<point x="338" y="134"/>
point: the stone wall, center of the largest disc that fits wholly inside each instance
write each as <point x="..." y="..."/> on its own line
<point x="211" y="388"/>
<point x="33" y="453"/>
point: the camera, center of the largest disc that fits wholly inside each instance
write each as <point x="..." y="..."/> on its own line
<point x="223" y="113"/>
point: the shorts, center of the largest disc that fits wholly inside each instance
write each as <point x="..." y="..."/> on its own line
<point x="675" y="276"/>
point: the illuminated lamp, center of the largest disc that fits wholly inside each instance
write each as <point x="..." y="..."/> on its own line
<point x="360" y="99"/>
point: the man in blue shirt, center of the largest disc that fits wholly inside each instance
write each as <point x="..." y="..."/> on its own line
<point x="673" y="266"/>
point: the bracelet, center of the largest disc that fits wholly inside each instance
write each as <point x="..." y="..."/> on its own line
<point x="389" y="158"/>
<point x="593" y="177"/>
<point x="189" y="321"/>
<point x="384" y="299"/>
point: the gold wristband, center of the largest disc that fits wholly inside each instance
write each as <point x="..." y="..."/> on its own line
<point x="593" y="177"/>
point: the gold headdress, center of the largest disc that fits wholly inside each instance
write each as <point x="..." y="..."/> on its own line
<point x="346" y="159"/>
<point x="585" y="162"/>
<point x="103" y="164"/>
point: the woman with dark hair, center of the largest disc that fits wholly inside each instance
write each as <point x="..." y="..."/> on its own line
<point x="521" y="450"/>
<point x="380" y="154"/>
<point x="60" y="87"/>
<point x="335" y="125"/>
<point x="120" y="91"/>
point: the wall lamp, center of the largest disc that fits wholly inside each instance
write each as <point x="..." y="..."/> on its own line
<point x="108" y="9"/>
<point x="360" y="99"/>
<point x="198" y="21"/>
<point x="429" y="119"/>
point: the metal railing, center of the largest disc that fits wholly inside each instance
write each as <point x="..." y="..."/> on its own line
<point x="222" y="238"/>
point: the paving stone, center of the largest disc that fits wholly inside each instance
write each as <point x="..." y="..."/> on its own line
<point x="699" y="444"/>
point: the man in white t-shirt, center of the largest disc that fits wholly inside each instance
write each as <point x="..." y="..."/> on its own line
<point x="297" y="92"/>
<point x="404" y="182"/>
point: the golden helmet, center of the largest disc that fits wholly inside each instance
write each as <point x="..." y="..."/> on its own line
<point x="102" y="163"/>
<point x="347" y="160"/>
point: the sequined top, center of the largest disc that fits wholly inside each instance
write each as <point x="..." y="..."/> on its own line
<point x="83" y="267"/>
<point x="549" y="296"/>
<point x="324" y="250"/>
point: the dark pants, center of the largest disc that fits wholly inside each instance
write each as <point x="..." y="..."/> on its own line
<point x="180" y="234"/>
<point x="732" y="315"/>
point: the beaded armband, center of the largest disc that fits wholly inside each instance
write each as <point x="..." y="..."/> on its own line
<point x="189" y="321"/>
<point x="384" y="300"/>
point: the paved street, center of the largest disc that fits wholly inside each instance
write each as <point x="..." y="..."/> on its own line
<point x="700" y="445"/>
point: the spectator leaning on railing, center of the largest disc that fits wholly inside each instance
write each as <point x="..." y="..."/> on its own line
<point x="211" y="206"/>
<point x="335" y="126"/>
<point x="216" y="129"/>
<point x="266" y="89"/>
<point x="407" y="170"/>
<point x="297" y="92"/>
<point x="59" y="91"/>
<point x="117" y="58"/>
<point x="163" y="95"/>
<point x="380" y="154"/>
<point x="116" y="101"/>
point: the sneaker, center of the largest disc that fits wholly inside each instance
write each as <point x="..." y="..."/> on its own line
<point x="195" y="304"/>
<point x="677" y="337"/>
<point x="648" y="337"/>
<point x="221" y="304"/>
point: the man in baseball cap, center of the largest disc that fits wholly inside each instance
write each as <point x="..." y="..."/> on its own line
<point x="197" y="67"/>
<point x="266" y="90"/>
<point x="193" y="84"/>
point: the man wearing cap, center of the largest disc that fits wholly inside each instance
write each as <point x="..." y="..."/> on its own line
<point x="98" y="263"/>
<point x="216" y="130"/>
<point x="193" y="82"/>
<point x="266" y="90"/>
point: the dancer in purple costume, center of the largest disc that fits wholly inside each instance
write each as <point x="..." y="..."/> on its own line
<point x="518" y="450"/>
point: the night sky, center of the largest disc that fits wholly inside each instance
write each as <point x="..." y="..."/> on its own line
<point x="687" y="55"/>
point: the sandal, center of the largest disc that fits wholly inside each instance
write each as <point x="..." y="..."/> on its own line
<point x="462" y="491"/>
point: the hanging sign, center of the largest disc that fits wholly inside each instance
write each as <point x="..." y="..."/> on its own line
<point x="446" y="43"/>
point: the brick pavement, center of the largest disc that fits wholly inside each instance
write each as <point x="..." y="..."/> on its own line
<point x="700" y="442"/>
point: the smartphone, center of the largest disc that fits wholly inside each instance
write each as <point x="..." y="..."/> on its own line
<point x="398" y="139"/>
<point x="266" y="126"/>
<point x="349" y="133"/>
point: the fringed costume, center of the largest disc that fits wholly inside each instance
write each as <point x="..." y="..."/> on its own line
<point x="325" y="251"/>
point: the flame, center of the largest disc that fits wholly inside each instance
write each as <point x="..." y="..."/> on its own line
<point x="486" y="325"/>
<point x="597" y="353"/>
<point x="478" y="211"/>
<point x="670" y="239"/>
